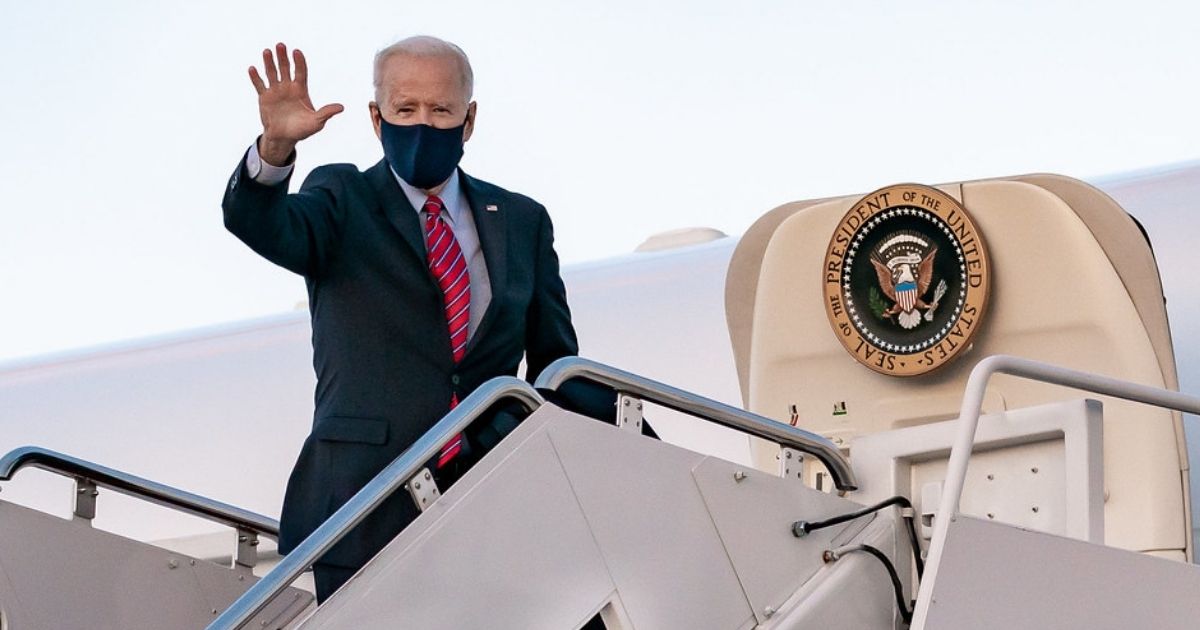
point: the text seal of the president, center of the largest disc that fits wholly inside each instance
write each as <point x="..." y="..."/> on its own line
<point x="906" y="280"/>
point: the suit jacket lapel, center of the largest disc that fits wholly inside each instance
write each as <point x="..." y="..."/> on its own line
<point x="396" y="207"/>
<point x="491" y="225"/>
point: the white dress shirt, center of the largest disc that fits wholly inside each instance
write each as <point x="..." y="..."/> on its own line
<point x="457" y="214"/>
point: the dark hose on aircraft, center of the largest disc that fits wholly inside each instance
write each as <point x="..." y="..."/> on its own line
<point x="906" y="613"/>
<point x="803" y="528"/>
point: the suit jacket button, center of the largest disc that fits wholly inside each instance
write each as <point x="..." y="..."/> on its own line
<point x="454" y="379"/>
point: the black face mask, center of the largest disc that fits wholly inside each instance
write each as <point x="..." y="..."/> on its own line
<point x="421" y="155"/>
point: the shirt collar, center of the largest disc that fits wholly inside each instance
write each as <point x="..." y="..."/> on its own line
<point x="451" y="196"/>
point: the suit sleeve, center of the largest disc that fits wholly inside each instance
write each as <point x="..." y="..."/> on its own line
<point x="549" y="334"/>
<point x="297" y="232"/>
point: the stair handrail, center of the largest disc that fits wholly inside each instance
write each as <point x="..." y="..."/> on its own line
<point x="972" y="404"/>
<point x="827" y="452"/>
<point x="135" y="486"/>
<point x="968" y="423"/>
<point x="382" y="486"/>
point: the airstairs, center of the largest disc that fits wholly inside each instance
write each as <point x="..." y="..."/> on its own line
<point x="570" y="519"/>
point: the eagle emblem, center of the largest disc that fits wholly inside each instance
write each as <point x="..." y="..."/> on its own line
<point x="903" y="263"/>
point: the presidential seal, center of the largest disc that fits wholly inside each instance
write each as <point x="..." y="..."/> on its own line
<point x="906" y="280"/>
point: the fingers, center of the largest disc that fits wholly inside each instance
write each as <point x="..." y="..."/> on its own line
<point x="269" y="67"/>
<point x="283" y="72"/>
<point x="329" y="111"/>
<point x="301" y="67"/>
<point x="257" y="80"/>
<point x="285" y="66"/>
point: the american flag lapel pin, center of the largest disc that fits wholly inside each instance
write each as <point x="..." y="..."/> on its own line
<point x="491" y="207"/>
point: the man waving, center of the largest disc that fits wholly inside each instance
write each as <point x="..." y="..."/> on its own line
<point x="423" y="281"/>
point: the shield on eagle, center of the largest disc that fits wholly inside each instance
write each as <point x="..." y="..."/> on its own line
<point x="906" y="295"/>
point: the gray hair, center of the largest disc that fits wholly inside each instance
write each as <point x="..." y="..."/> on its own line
<point x="426" y="46"/>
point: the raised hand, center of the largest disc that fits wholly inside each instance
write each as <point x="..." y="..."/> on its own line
<point x="287" y="113"/>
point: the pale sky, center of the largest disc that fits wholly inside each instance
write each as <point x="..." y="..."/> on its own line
<point x="123" y="120"/>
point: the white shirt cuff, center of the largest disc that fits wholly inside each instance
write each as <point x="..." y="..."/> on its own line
<point x="262" y="172"/>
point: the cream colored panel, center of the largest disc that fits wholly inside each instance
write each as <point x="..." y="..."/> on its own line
<point x="741" y="283"/>
<point x="1055" y="298"/>
<point x="1130" y="253"/>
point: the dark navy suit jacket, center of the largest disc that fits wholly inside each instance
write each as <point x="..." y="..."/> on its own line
<point x="381" y="348"/>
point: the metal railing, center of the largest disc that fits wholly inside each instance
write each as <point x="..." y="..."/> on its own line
<point x="968" y="422"/>
<point x="968" y="415"/>
<point x="720" y="413"/>
<point x="88" y="474"/>
<point x="387" y="482"/>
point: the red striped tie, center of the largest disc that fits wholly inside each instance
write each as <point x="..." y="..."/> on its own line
<point x="450" y="268"/>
